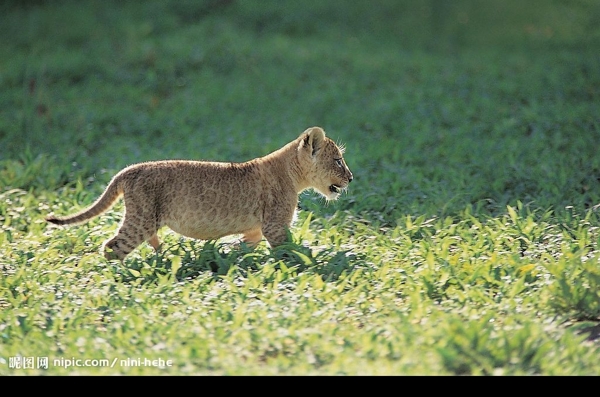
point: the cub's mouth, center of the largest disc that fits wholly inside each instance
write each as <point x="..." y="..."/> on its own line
<point x="335" y="189"/>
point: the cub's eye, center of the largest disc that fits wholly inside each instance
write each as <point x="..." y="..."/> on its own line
<point x="338" y="162"/>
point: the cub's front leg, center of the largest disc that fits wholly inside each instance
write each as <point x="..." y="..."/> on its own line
<point x="276" y="234"/>
<point x="252" y="238"/>
<point x="276" y="225"/>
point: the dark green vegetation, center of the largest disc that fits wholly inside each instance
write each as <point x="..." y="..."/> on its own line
<point x="467" y="244"/>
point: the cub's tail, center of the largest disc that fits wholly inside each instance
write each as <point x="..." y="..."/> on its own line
<point x="113" y="191"/>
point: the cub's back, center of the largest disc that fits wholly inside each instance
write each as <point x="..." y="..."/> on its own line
<point x="176" y="185"/>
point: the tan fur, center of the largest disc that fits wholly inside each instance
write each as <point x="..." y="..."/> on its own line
<point x="209" y="200"/>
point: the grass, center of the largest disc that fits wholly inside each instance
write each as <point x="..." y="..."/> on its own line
<point x="467" y="244"/>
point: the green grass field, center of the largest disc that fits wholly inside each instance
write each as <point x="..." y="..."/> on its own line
<point x="468" y="243"/>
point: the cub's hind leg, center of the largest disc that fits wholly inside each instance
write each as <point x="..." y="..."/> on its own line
<point x="138" y="226"/>
<point x="154" y="242"/>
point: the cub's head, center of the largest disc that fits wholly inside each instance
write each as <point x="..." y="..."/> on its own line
<point x="323" y="163"/>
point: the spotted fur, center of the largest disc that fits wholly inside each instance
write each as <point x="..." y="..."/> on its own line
<point x="209" y="200"/>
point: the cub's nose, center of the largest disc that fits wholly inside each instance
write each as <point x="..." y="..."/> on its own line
<point x="350" y="177"/>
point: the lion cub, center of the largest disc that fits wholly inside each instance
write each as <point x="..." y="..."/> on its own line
<point x="208" y="200"/>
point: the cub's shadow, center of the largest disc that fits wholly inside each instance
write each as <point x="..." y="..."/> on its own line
<point x="189" y="259"/>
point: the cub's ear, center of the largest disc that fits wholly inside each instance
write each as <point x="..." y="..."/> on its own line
<point x="313" y="138"/>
